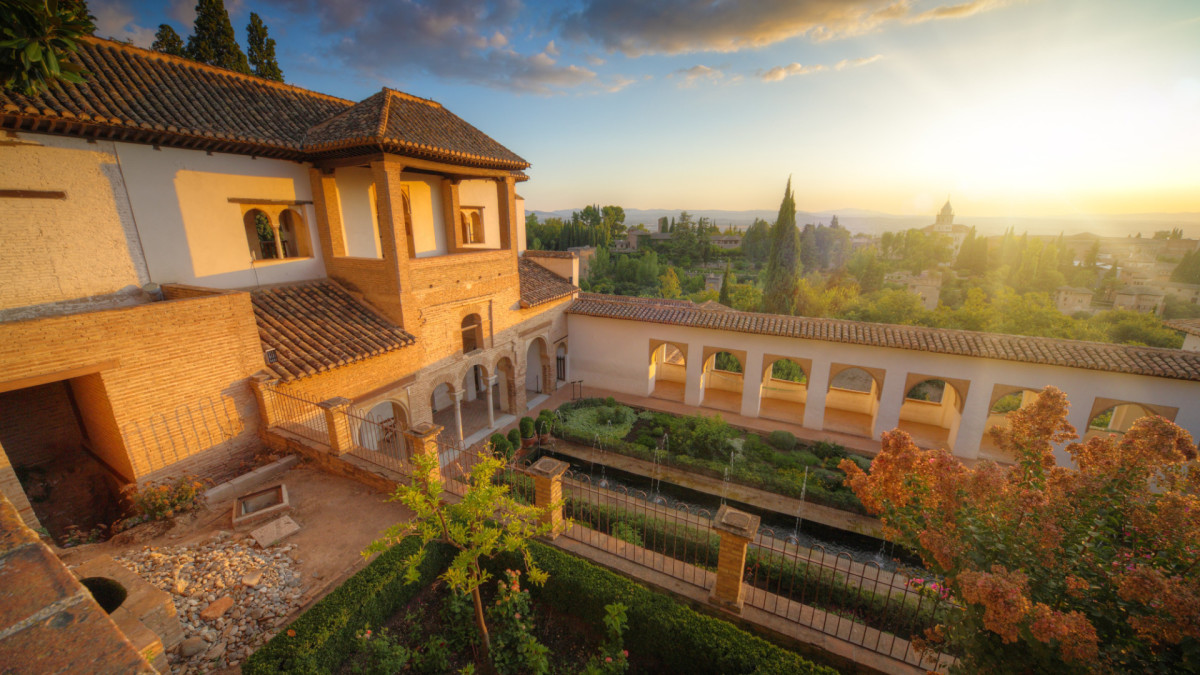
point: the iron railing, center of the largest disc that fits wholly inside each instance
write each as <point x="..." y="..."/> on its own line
<point x="379" y="441"/>
<point x="299" y="415"/>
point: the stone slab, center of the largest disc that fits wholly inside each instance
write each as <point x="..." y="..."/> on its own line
<point x="247" y="481"/>
<point x="275" y="531"/>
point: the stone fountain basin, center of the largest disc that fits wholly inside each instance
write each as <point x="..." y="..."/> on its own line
<point x="254" y="508"/>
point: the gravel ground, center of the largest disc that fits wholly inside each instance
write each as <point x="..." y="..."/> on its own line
<point x="230" y="596"/>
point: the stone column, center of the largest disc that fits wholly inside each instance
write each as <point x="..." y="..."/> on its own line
<point x="337" y="424"/>
<point x="752" y="377"/>
<point x="815" y="388"/>
<point x="737" y="529"/>
<point x="491" y="384"/>
<point x="549" y="379"/>
<point x="451" y="214"/>
<point x="892" y="397"/>
<point x="692" y="392"/>
<point x="975" y="412"/>
<point x="547" y="475"/>
<point x="422" y="439"/>
<point x="263" y="386"/>
<point x="458" y="396"/>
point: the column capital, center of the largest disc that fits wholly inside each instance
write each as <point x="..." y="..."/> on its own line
<point x="457" y="396"/>
<point x="737" y="523"/>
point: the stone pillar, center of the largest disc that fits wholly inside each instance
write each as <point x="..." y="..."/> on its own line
<point x="1079" y="415"/>
<point x="458" y="396"/>
<point x="491" y="404"/>
<point x="752" y="377"/>
<point x="263" y="386"/>
<point x="815" y="389"/>
<point x="422" y="439"/>
<point x="888" y="416"/>
<point x="692" y="392"/>
<point x="451" y="215"/>
<point x="549" y="378"/>
<point x="737" y="530"/>
<point x="974" y="418"/>
<point x="547" y="475"/>
<point x="337" y="423"/>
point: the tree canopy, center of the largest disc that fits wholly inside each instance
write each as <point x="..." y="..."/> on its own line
<point x="213" y="40"/>
<point x="167" y="41"/>
<point x="783" y="264"/>
<point x="38" y="43"/>
<point x="261" y="50"/>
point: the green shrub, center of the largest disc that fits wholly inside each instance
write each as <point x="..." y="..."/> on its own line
<point x="783" y="440"/>
<point x="863" y="463"/>
<point x="526" y="426"/>
<point x="826" y="449"/>
<point x="322" y="638"/>
<point x="514" y="438"/>
<point x="659" y="627"/>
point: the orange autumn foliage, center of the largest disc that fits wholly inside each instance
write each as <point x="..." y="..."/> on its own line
<point x="1085" y="569"/>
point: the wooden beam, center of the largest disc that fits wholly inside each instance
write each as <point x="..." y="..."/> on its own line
<point x="269" y="202"/>
<point x="32" y="194"/>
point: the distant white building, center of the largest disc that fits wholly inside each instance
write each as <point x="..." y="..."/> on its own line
<point x="1191" y="331"/>
<point x="1071" y="299"/>
<point x="944" y="224"/>
<point x="1140" y="299"/>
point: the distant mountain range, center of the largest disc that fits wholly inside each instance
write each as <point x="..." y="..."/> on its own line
<point x="876" y="222"/>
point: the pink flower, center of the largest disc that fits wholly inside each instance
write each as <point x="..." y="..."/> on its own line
<point x="517" y="616"/>
<point x="608" y="659"/>
<point x="625" y="652"/>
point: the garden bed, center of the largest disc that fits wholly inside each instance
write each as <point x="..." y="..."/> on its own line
<point x="709" y="446"/>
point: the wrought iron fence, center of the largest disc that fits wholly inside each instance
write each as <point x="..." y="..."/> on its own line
<point x="857" y="602"/>
<point x="379" y="441"/>
<point x="676" y="541"/>
<point x="299" y="415"/>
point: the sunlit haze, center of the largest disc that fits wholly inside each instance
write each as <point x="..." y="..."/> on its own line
<point x="1037" y="108"/>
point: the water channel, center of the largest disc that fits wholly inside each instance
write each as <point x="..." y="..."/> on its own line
<point x="790" y="527"/>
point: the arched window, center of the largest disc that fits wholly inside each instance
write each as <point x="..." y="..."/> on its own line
<point x="472" y="225"/>
<point x="293" y="235"/>
<point x="260" y="235"/>
<point x="472" y="333"/>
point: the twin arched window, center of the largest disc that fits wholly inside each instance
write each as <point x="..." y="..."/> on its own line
<point x="287" y="237"/>
<point x="471" y="223"/>
<point x="472" y="333"/>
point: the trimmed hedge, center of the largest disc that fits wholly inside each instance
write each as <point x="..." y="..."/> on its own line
<point x="324" y="635"/>
<point x="682" y="639"/>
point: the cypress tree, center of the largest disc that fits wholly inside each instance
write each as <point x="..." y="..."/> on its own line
<point x="261" y="50"/>
<point x="213" y="40"/>
<point x="783" y="266"/>
<point x="726" y="287"/>
<point x="167" y="41"/>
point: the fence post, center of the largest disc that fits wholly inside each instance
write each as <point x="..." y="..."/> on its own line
<point x="337" y="423"/>
<point x="422" y="438"/>
<point x="263" y="386"/>
<point x="547" y="475"/>
<point x="737" y="529"/>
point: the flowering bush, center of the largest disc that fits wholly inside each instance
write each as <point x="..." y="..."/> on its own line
<point x="613" y="658"/>
<point x="157" y="501"/>
<point x="515" y="650"/>
<point x="1056" y="570"/>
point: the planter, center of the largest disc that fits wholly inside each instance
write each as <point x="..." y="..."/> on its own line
<point x="528" y="442"/>
<point x="543" y="439"/>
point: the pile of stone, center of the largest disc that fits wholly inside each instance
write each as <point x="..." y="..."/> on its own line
<point x="230" y="596"/>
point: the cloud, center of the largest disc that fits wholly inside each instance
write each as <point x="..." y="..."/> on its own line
<point x="783" y="72"/>
<point x="638" y="27"/>
<point x="688" y="77"/>
<point x="114" y="19"/>
<point x="449" y="39"/>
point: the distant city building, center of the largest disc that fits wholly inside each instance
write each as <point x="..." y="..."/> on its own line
<point x="585" y="253"/>
<point x="861" y="241"/>
<point x="1071" y="299"/>
<point x="1191" y="331"/>
<point x="944" y="224"/>
<point x="1140" y="299"/>
<point x="927" y="285"/>
<point x="712" y="282"/>
<point x="1186" y="292"/>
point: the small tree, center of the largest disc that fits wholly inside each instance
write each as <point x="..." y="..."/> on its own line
<point x="485" y="523"/>
<point x="1054" y="570"/>
<point x="261" y="50"/>
<point x="167" y="41"/>
<point x="669" y="284"/>
<point x="213" y="40"/>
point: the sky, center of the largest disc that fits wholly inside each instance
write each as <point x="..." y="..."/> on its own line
<point x="1009" y="107"/>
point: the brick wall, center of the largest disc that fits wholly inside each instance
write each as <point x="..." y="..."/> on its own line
<point x="175" y="371"/>
<point x="50" y="406"/>
<point x="65" y="249"/>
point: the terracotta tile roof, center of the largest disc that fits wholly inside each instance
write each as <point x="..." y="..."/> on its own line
<point x="1189" y="326"/>
<point x="400" y="122"/>
<point x="142" y="96"/>
<point x="550" y="254"/>
<point x="1168" y="363"/>
<point x="714" y="306"/>
<point x="317" y="326"/>
<point x="539" y="285"/>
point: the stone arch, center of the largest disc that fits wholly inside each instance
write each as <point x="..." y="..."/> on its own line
<point x="931" y="411"/>
<point x="383" y="426"/>
<point x="295" y="241"/>
<point x="441" y="395"/>
<point x="722" y="377"/>
<point x="471" y="328"/>
<point x="852" y="399"/>
<point x="538" y="374"/>
<point x="505" y="395"/>
<point x="261" y="238"/>
<point x="1005" y="400"/>
<point x="1116" y="416"/>
<point x="784" y="398"/>
<point x="668" y="370"/>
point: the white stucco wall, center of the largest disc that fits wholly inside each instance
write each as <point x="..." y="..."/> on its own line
<point x="482" y="194"/>
<point x="360" y="219"/>
<point x="520" y="224"/>
<point x="613" y="354"/>
<point x="425" y="202"/>
<point x="1191" y="342"/>
<point x="192" y="233"/>
<point x="54" y="250"/>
